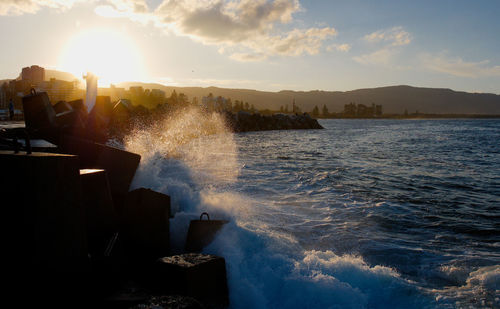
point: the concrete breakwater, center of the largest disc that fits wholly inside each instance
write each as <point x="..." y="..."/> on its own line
<point x="77" y="236"/>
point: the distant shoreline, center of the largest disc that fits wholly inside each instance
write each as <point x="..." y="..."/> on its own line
<point x="420" y="116"/>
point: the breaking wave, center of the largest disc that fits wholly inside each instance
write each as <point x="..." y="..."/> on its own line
<point x="196" y="160"/>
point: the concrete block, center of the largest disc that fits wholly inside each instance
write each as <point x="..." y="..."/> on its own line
<point x="99" y="119"/>
<point x="77" y="105"/>
<point x="61" y="107"/>
<point x="101" y="220"/>
<point x="145" y="225"/>
<point x="197" y="275"/>
<point x="44" y="227"/>
<point x="120" y="165"/>
<point x="38" y="112"/>
<point x="202" y="232"/>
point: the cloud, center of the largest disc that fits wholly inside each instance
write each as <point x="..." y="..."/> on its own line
<point x="395" y="36"/>
<point x="216" y="21"/>
<point x="248" y="57"/>
<point x="247" y="25"/>
<point x="20" y="7"/>
<point x="379" y="57"/>
<point x="136" y="10"/>
<point x="339" y="47"/>
<point x="458" y="67"/>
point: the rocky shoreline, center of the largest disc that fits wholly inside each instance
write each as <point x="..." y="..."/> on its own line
<point x="245" y="122"/>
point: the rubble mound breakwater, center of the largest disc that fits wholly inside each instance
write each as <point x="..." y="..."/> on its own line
<point x="244" y="122"/>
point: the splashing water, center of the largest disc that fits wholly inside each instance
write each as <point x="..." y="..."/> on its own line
<point x="285" y="246"/>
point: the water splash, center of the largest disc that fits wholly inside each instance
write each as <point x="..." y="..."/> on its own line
<point x="200" y="140"/>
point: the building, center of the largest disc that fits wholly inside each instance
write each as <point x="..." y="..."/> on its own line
<point x="4" y="101"/>
<point x="34" y="74"/>
<point x="136" y="91"/>
<point x="59" y="90"/>
<point x="157" y="96"/>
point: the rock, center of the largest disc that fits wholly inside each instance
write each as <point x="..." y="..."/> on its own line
<point x="170" y="302"/>
<point x="244" y="122"/>
<point x="197" y="275"/>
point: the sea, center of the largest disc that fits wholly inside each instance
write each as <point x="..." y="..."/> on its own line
<point x="373" y="213"/>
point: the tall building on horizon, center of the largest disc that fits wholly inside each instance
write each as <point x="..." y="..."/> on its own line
<point x="34" y="74"/>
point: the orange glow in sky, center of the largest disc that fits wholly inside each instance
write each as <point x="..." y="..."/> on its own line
<point x="109" y="54"/>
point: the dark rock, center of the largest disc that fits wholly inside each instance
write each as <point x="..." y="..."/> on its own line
<point x="244" y="121"/>
<point x="145" y="225"/>
<point x="202" y="232"/>
<point x="170" y="302"/>
<point x="197" y="275"/>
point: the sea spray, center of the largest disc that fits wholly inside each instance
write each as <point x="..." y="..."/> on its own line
<point x="194" y="159"/>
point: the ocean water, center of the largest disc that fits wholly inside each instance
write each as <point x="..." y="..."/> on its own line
<point x="363" y="214"/>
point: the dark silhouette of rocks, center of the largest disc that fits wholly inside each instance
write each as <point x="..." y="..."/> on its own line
<point x="245" y="121"/>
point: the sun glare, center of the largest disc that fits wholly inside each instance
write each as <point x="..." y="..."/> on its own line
<point x="110" y="55"/>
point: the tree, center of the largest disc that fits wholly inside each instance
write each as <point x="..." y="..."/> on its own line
<point x="229" y="105"/>
<point x="247" y="106"/>
<point x="282" y="109"/>
<point x="182" y="99"/>
<point x="325" y="111"/>
<point x="173" y="100"/>
<point x="315" y="111"/>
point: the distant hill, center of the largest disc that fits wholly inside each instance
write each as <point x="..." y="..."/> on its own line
<point x="394" y="99"/>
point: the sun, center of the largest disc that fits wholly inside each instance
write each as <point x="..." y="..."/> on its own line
<point x="109" y="54"/>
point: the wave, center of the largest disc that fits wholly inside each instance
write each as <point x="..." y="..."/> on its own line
<point x="194" y="159"/>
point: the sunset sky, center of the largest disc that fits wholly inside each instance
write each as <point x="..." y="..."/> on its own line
<point x="259" y="44"/>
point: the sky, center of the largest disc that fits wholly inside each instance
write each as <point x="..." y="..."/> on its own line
<point x="270" y="45"/>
